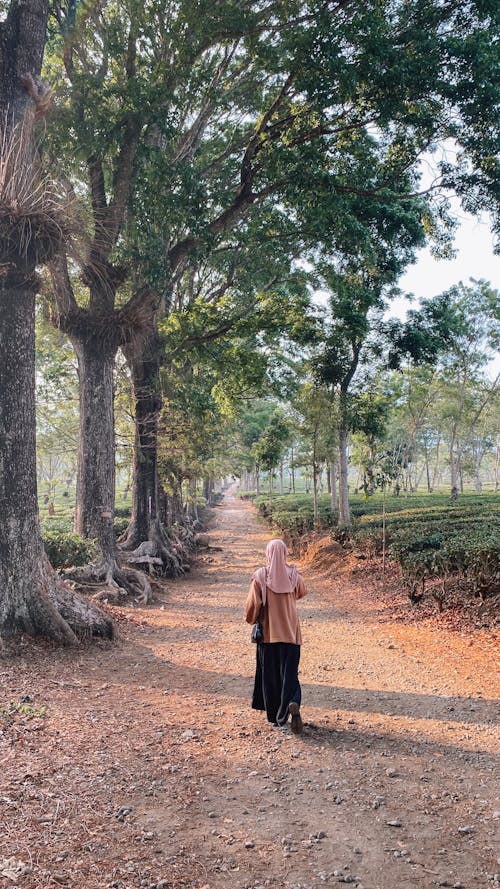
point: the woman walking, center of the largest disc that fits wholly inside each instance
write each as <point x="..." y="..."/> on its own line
<point x="272" y="600"/>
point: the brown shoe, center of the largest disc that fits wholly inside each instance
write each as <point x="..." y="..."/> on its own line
<point x="297" y="724"/>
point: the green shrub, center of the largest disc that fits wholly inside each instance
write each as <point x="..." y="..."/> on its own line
<point x="65" y="549"/>
<point x="120" y="525"/>
<point x="122" y="512"/>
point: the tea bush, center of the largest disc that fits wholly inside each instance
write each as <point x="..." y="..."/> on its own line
<point x="65" y="549"/>
<point x="430" y="537"/>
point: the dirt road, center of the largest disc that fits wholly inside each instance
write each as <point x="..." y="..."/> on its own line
<point x="149" y="769"/>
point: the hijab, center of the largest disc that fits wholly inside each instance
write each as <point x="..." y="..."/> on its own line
<point x="277" y="575"/>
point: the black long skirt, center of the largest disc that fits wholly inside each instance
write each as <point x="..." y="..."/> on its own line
<point x="276" y="679"/>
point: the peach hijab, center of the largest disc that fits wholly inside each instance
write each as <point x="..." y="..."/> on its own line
<point x="277" y="575"/>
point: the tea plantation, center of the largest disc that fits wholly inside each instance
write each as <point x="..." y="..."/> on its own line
<point x="432" y="538"/>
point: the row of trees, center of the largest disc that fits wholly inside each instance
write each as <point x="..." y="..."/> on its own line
<point x="426" y="425"/>
<point x="435" y="417"/>
<point x="202" y="153"/>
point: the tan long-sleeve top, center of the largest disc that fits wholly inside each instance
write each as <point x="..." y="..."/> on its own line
<point x="280" y="622"/>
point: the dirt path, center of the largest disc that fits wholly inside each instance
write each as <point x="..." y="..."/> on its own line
<point x="149" y="769"/>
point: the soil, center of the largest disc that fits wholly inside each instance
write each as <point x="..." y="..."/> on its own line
<point x="139" y="763"/>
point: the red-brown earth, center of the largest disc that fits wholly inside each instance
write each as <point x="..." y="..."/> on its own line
<point x="147" y="767"/>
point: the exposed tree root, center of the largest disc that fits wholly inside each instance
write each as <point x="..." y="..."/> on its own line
<point x="54" y="612"/>
<point x="119" y="581"/>
<point x="164" y="553"/>
<point x="82" y="616"/>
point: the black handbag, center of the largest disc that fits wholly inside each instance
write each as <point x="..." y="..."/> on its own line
<point x="257" y="635"/>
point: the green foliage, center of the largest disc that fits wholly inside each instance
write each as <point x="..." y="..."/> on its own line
<point x="120" y="525"/>
<point x="65" y="549"/>
<point x="431" y="538"/>
<point x="18" y="711"/>
<point x="270" y="447"/>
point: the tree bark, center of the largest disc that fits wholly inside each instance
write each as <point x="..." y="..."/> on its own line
<point x="497" y="464"/>
<point x="436" y="472"/>
<point x="333" y="487"/>
<point x="146" y="391"/>
<point x="95" y="482"/>
<point x="427" y="469"/>
<point x="454" y="466"/>
<point x="344" y="511"/>
<point x="24" y="604"/>
<point x="315" y="491"/>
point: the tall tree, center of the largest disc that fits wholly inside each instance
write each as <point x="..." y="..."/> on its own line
<point x="361" y="283"/>
<point x="32" y="598"/>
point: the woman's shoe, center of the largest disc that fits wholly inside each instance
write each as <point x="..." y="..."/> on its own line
<point x="297" y="724"/>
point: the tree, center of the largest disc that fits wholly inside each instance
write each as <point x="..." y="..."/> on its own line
<point x="370" y="413"/>
<point x="270" y="447"/>
<point x="32" y="598"/>
<point x="314" y="407"/>
<point x="360" y="283"/>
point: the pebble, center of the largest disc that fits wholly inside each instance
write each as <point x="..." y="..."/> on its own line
<point x="466" y="829"/>
<point x="249" y="844"/>
<point x="391" y="773"/>
<point x="394" y="823"/>
<point x="122" y="812"/>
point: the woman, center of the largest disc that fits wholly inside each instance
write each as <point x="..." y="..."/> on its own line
<point x="274" y="591"/>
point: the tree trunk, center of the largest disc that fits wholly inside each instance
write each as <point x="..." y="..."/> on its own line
<point x="497" y="464"/>
<point x="208" y="489"/>
<point x="436" y="472"/>
<point x="33" y="598"/>
<point x="315" y="491"/>
<point x="344" y="511"/>
<point x="146" y="391"/>
<point x="454" y="467"/>
<point x="333" y="487"/>
<point x="95" y="482"/>
<point x="427" y="470"/>
<point x="23" y="606"/>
